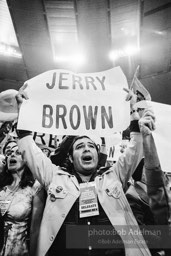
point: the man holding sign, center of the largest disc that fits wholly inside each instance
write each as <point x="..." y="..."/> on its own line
<point x="67" y="103"/>
<point x="86" y="211"/>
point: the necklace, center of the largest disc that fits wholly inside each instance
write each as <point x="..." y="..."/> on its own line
<point x="6" y="199"/>
<point x="8" y="191"/>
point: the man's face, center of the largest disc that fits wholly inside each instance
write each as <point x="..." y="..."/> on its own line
<point x="85" y="156"/>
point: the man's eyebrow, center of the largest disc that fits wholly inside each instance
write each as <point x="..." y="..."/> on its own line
<point x="82" y="143"/>
<point x="79" y="144"/>
<point x="91" y="143"/>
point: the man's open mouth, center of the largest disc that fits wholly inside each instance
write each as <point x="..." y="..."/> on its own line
<point x="87" y="158"/>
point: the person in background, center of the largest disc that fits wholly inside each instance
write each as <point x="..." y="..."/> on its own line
<point x="147" y="193"/>
<point x="139" y="201"/>
<point x="157" y="191"/>
<point x="2" y="163"/>
<point x="16" y="200"/>
<point x="2" y="167"/>
<point x="4" y="130"/>
<point x="8" y="146"/>
<point x="1" y="231"/>
<point x="37" y="209"/>
<point x="45" y="149"/>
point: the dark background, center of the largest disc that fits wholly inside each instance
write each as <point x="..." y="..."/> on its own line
<point x="99" y="26"/>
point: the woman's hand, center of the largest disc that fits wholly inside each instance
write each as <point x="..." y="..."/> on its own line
<point x="132" y="97"/>
<point x="147" y="122"/>
<point x="22" y="94"/>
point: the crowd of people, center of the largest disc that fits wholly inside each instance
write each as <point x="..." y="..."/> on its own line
<point x="74" y="202"/>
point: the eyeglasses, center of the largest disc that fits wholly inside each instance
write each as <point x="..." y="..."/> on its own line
<point x="10" y="152"/>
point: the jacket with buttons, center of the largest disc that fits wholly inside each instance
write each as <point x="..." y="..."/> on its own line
<point x="110" y="190"/>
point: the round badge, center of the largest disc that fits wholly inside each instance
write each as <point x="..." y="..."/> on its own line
<point x="52" y="198"/>
<point x="59" y="189"/>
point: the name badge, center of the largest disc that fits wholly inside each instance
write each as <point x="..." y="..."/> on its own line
<point x="88" y="205"/>
<point x="4" y="205"/>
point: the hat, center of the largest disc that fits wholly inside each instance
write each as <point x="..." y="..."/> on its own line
<point x="8" y="105"/>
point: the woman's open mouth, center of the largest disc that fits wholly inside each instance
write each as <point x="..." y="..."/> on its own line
<point x="12" y="161"/>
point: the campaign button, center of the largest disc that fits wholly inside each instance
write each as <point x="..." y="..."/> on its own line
<point x="59" y="189"/>
<point x="52" y="198"/>
<point x="108" y="192"/>
<point x="51" y="238"/>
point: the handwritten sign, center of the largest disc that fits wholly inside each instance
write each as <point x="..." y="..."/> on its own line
<point x="162" y="134"/>
<point x="62" y="102"/>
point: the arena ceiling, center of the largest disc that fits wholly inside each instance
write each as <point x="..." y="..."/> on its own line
<point x="40" y="35"/>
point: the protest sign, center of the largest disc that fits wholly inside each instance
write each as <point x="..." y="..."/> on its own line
<point x="162" y="134"/>
<point x="62" y="102"/>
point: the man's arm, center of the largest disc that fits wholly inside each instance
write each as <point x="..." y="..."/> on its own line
<point x="128" y="161"/>
<point x="158" y="193"/>
<point x="39" y="164"/>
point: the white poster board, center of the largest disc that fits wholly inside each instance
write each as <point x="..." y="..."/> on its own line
<point x="64" y="103"/>
<point x="162" y="133"/>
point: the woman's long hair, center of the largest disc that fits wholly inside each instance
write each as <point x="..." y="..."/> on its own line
<point x="6" y="177"/>
<point x="1" y="231"/>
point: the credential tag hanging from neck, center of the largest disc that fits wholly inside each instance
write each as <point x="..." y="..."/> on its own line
<point x="88" y="205"/>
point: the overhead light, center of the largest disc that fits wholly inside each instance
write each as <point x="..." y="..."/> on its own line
<point x="75" y="59"/>
<point x="60" y="38"/>
<point x="129" y="50"/>
<point x="128" y="31"/>
<point x="8" y="40"/>
<point x="115" y="54"/>
<point x="160" y="32"/>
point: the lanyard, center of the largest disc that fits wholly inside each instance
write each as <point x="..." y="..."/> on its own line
<point x="88" y="205"/>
